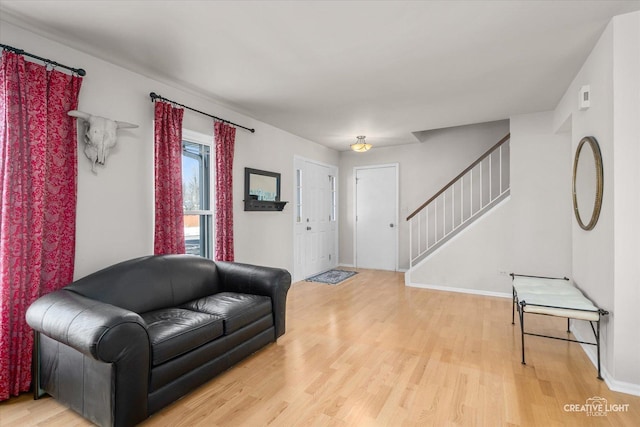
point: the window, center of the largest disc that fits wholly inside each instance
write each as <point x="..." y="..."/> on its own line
<point x="334" y="198"/>
<point x="298" y="195"/>
<point x="196" y="193"/>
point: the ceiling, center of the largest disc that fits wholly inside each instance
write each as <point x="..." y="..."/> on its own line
<point x="329" y="71"/>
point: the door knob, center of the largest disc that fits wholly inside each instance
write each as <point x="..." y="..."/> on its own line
<point x="391" y="225"/>
<point x="308" y="228"/>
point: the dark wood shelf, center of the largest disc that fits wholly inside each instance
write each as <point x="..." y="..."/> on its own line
<point x="263" y="205"/>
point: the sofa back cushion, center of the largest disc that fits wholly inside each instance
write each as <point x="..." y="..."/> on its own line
<point x="152" y="282"/>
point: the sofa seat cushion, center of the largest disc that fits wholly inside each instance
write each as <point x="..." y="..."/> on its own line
<point x="175" y="331"/>
<point x="237" y="310"/>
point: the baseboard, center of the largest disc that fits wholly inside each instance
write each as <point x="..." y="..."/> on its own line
<point x="460" y="290"/>
<point x="400" y="270"/>
<point x="612" y="383"/>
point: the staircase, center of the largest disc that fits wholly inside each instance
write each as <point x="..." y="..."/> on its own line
<point x="471" y="194"/>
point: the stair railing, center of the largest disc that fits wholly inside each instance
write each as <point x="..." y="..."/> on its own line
<point x="478" y="188"/>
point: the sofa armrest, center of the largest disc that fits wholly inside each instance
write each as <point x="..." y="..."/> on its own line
<point x="91" y="327"/>
<point x="105" y="333"/>
<point x="258" y="280"/>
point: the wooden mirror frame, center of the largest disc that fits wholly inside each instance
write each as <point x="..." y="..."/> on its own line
<point x="252" y="204"/>
<point x="597" y="157"/>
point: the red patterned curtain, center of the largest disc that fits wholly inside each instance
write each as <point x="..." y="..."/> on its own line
<point x="169" y="218"/>
<point x="38" y="175"/>
<point x="225" y="137"/>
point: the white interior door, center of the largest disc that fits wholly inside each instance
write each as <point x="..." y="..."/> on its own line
<point x="377" y="217"/>
<point x="315" y="226"/>
<point x="315" y="202"/>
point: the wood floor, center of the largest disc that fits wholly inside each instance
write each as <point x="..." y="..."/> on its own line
<point x="371" y="352"/>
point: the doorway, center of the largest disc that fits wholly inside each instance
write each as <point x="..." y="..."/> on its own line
<point x="315" y="218"/>
<point x="376" y="217"/>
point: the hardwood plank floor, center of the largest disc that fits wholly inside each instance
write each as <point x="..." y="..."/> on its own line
<point x="371" y="352"/>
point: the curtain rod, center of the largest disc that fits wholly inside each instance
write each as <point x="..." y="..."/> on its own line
<point x="79" y="71"/>
<point x="155" y="96"/>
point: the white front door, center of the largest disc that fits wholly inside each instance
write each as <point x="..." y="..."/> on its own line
<point x="315" y="220"/>
<point x="377" y="217"/>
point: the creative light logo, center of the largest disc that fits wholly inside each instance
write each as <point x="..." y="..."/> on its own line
<point x="596" y="407"/>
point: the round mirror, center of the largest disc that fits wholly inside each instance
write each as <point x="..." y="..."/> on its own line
<point x="587" y="182"/>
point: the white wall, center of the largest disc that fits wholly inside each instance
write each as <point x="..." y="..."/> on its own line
<point x="593" y="252"/>
<point x="115" y="207"/>
<point x="626" y="127"/>
<point x="425" y="167"/>
<point x="529" y="233"/>
<point x="606" y="260"/>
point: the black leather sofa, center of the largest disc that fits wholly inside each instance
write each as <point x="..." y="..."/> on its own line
<point x="120" y="344"/>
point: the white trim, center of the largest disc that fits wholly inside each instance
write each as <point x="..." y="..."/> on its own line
<point x="295" y="274"/>
<point x="459" y="290"/>
<point x="612" y="383"/>
<point x="194" y="137"/>
<point x="396" y="167"/>
<point x="197" y="137"/>
<point x="334" y="262"/>
<point x="199" y="212"/>
<point x="620" y="386"/>
<point x="397" y="221"/>
<point x="317" y="162"/>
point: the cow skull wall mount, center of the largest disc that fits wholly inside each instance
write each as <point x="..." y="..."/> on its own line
<point x="99" y="136"/>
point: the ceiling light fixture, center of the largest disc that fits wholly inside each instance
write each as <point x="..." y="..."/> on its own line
<point x="361" y="146"/>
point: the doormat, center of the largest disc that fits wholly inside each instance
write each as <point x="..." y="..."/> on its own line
<point x="332" y="277"/>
